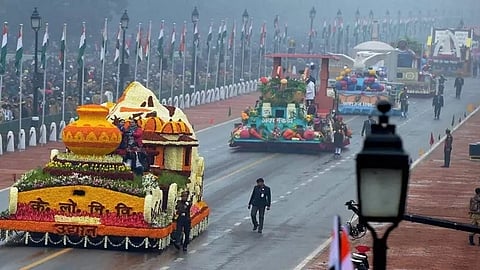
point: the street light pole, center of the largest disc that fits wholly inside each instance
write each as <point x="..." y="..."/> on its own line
<point x="123" y="67"/>
<point x="193" y="77"/>
<point x="313" y="12"/>
<point x="245" y="17"/>
<point x="36" y="23"/>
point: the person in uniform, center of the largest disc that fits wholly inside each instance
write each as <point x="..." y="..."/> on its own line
<point x="447" y="148"/>
<point x="259" y="200"/>
<point x="184" y="222"/>
<point x="437" y="105"/>
<point x="310" y="91"/>
<point x="403" y="97"/>
<point x="367" y="126"/>
<point x="474" y="214"/>
<point x="458" y="84"/>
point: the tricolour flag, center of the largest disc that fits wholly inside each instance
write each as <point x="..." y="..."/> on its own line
<point x="210" y="35"/>
<point x="340" y="256"/>
<point x="19" y="51"/>
<point x="196" y="35"/>
<point x="172" y="42"/>
<point x="138" y="44"/>
<point x="117" y="45"/>
<point x="263" y="35"/>
<point x="127" y="46"/>
<point x="103" y="49"/>
<point x="43" y="57"/>
<point x="160" y="41"/>
<point x="232" y="37"/>
<point x="81" y="47"/>
<point x="61" y="55"/>
<point x="146" y="46"/>
<point x="181" y="47"/>
<point x="3" y="54"/>
<point x="250" y="32"/>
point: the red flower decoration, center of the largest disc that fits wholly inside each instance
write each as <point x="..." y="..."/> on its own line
<point x="264" y="80"/>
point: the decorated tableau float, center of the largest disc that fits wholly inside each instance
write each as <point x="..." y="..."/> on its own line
<point x="117" y="184"/>
<point x="281" y="120"/>
<point x="359" y="92"/>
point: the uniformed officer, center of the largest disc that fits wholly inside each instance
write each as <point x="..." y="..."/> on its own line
<point x="260" y="198"/>
<point x="447" y="148"/>
<point x="184" y="222"/>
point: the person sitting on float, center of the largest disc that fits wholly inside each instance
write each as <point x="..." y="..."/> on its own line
<point x="136" y="157"/>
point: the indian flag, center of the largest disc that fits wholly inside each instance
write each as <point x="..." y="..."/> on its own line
<point x="19" y="51"/>
<point x="160" y="41"/>
<point x="210" y="35"/>
<point x="340" y="256"/>
<point x="3" y="54"/>
<point x="103" y="51"/>
<point x="61" y="56"/>
<point x="81" y="47"/>
<point x="172" y="42"/>
<point x="138" y="44"/>
<point x="147" y="42"/>
<point x="117" y="45"/>
<point x="181" y="47"/>
<point x="45" y="42"/>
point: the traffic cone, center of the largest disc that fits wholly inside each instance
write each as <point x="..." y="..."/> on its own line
<point x="229" y="111"/>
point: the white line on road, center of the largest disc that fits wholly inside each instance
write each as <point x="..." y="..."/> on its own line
<point x="178" y="260"/>
<point x="295" y="188"/>
<point x="164" y="268"/>
<point x="247" y="217"/>
<point x="227" y="231"/>
<point x="288" y="193"/>
<point x="237" y="224"/>
<point x="192" y="251"/>
<point x="303" y="184"/>
<point x="321" y="172"/>
<point x="315" y="176"/>
<point x="205" y="244"/>
<point x="327" y="169"/>
<point x="313" y="254"/>
<point x="282" y="197"/>
<point x="272" y="203"/>
<point x="310" y="180"/>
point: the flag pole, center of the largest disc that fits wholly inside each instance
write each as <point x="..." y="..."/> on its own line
<point x="264" y="53"/>
<point x="219" y="52"/>
<point x="82" y="86"/>
<point x="250" y="33"/>
<point x="20" y="98"/>
<point x="120" y="51"/>
<point x="137" y="51"/>
<point x="233" y="53"/>
<point x="195" y="68"/>
<point x="182" y="46"/>
<point x="64" y="72"/>
<point x="225" y="58"/>
<point x="1" y="86"/>
<point x="147" y="52"/>
<point x="44" y="81"/>
<point x="208" y="57"/>
<point x="162" y="33"/>
<point x="103" y="54"/>
<point x="172" y="53"/>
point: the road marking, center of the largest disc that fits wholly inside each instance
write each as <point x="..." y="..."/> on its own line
<point x="327" y="169"/>
<point x="217" y="125"/>
<point x="46" y="259"/>
<point x="302" y="184"/>
<point x="322" y="172"/>
<point x="4" y="189"/>
<point x="312" y="255"/>
<point x="228" y="176"/>
<point x="178" y="260"/>
<point x="247" y="217"/>
<point x="227" y="231"/>
<point x="192" y="251"/>
<point x="310" y="180"/>
<point x="205" y="244"/>
<point x="315" y="176"/>
<point x="288" y="193"/>
<point x="295" y="188"/>
<point x="237" y="224"/>
<point x="282" y="197"/>
<point x="164" y="268"/>
<point x="338" y="163"/>
<point x="274" y="202"/>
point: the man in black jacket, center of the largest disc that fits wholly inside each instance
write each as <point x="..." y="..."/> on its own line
<point x="437" y="105"/>
<point x="367" y="126"/>
<point x="184" y="222"/>
<point x="261" y="198"/>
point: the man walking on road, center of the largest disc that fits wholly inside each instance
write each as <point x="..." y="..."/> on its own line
<point x="260" y="198"/>
<point x="437" y="104"/>
<point x="458" y="84"/>
<point x="184" y="222"/>
<point x="367" y="126"/>
<point x="447" y="149"/>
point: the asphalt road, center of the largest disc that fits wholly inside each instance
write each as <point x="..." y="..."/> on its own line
<point x="308" y="190"/>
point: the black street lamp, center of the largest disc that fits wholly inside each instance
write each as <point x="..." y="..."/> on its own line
<point x="193" y="77"/>
<point x="382" y="181"/>
<point x="36" y="22"/>
<point x="124" y="67"/>
<point x="313" y="12"/>
<point x="245" y="18"/>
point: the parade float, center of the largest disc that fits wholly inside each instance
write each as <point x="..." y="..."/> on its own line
<point x="89" y="195"/>
<point x="281" y="121"/>
<point x="359" y="92"/>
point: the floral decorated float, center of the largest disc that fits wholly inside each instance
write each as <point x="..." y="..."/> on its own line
<point x="280" y="120"/>
<point x="92" y="195"/>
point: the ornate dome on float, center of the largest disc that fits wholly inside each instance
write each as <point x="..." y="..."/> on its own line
<point x="175" y="127"/>
<point x="373" y="45"/>
<point x="153" y="124"/>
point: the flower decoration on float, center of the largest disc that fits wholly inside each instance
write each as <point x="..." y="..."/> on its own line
<point x="264" y="80"/>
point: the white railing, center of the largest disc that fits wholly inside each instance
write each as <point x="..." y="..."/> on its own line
<point x="54" y="132"/>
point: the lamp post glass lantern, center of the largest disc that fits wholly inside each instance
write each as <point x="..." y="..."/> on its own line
<point x="36" y="23"/>
<point x="124" y="20"/>
<point x="382" y="180"/>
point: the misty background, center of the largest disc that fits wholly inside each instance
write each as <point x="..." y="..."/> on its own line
<point x="294" y="13"/>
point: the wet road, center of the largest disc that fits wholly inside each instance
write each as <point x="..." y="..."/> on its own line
<point x="307" y="191"/>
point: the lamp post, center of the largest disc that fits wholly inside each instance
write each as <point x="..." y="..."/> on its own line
<point x="193" y="78"/>
<point x="313" y="12"/>
<point x="36" y="23"/>
<point x="382" y="181"/>
<point x="357" y="26"/>
<point x="124" y="68"/>
<point x="245" y="18"/>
